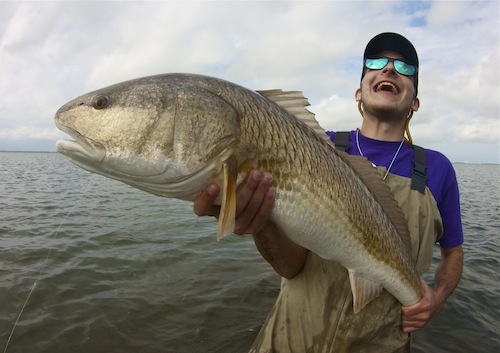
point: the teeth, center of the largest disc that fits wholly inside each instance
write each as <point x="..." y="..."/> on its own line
<point x="387" y="84"/>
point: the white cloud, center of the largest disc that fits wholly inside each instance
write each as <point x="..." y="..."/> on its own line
<point x="51" y="52"/>
<point x="31" y="132"/>
<point x="446" y="13"/>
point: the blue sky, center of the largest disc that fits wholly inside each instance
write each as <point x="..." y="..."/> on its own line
<point x="51" y="52"/>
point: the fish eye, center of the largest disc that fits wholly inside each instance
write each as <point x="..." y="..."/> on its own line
<point x="100" y="102"/>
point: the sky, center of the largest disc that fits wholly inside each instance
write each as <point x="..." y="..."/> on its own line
<point x="54" y="51"/>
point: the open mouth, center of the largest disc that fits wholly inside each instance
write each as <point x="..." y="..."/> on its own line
<point x="81" y="147"/>
<point x="387" y="87"/>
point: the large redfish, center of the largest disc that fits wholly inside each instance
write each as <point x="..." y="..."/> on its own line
<point x="172" y="134"/>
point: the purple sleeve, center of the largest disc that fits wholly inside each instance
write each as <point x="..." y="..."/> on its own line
<point x="442" y="182"/>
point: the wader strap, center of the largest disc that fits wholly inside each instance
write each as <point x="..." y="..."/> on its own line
<point x="342" y="140"/>
<point x="419" y="171"/>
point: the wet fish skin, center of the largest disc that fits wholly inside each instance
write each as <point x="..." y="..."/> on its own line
<point x="172" y="134"/>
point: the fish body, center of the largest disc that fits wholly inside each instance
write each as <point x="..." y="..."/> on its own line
<point x="172" y="134"/>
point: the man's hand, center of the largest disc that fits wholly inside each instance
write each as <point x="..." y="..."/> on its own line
<point x="254" y="202"/>
<point x="416" y="316"/>
<point x="448" y="273"/>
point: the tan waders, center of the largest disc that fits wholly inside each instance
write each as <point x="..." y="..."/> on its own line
<point x="313" y="312"/>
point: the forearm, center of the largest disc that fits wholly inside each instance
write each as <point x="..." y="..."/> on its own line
<point x="448" y="274"/>
<point x="286" y="257"/>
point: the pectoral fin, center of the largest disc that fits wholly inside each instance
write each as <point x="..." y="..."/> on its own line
<point x="227" y="215"/>
<point x="363" y="290"/>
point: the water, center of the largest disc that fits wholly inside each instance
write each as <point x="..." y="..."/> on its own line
<point x="130" y="272"/>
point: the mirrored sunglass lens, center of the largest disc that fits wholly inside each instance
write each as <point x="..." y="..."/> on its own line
<point x="376" y="64"/>
<point x="404" y="68"/>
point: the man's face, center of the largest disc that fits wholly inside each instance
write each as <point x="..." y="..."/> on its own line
<point x="386" y="94"/>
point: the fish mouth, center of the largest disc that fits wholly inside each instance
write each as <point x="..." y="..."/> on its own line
<point x="386" y="86"/>
<point x="81" y="148"/>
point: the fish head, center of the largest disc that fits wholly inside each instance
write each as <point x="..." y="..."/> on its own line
<point x="161" y="134"/>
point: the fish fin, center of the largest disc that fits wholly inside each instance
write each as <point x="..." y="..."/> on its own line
<point x="295" y="103"/>
<point x="363" y="290"/>
<point x="227" y="214"/>
<point x="373" y="180"/>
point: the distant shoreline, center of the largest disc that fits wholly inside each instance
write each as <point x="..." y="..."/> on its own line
<point x="28" y="151"/>
<point x="484" y="163"/>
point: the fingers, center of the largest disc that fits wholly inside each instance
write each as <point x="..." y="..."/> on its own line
<point x="416" y="316"/>
<point x="255" y="200"/>
<point x="204" y="204"/>
<point x="262" y="216"/>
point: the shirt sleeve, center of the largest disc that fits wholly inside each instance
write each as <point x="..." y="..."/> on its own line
<point x="444" y="186"/>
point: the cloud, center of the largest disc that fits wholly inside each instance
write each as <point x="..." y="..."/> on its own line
<point x="30" y="132"/>
<point x="51" y="52"/>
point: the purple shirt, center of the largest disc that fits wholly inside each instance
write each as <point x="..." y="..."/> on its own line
<point x="441" y="178"/>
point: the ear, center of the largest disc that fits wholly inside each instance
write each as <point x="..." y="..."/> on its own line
<point x="357" y="94"/>
<point x="415" y="104"/>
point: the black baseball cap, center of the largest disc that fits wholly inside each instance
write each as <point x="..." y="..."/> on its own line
<point x="389" y="41"/>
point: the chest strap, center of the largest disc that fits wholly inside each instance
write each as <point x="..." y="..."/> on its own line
<point x="418" y="172"/>
<point x="342" y="140"/>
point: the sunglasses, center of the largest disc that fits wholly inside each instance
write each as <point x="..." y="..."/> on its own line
<point x="400" y="66"/>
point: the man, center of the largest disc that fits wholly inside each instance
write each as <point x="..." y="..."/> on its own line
<point x="313" y="312"/>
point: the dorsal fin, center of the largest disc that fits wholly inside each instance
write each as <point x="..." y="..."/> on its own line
<point x="295" y="103"/>
<point x="373" y="180"/>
